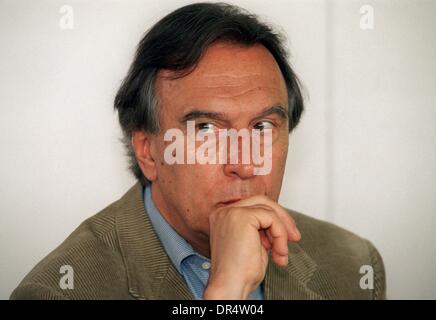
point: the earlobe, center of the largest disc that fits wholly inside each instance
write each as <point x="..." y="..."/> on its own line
<point x="142" y="147"/>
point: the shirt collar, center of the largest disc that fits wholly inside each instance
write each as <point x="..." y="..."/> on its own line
<point x="175" y="246"/>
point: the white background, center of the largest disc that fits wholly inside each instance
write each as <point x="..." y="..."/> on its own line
<point x="364" y="156"/>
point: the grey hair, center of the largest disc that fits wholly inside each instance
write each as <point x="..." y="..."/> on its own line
<point x="150" y="100"/>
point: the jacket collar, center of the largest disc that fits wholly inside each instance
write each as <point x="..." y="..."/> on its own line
<point x="151" y="275"/>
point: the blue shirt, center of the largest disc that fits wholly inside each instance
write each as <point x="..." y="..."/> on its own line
<point x="191" y="265"/>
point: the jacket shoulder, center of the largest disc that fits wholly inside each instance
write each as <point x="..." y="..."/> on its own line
<point x="86" y="263"/>
<point x="343" y="259"/>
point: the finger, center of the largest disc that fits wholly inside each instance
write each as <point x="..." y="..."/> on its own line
<point x="259" y="200"/>
<point x="275" y="257"/>
<point x="291" y="227"/>
<point x="264" y="240"/>
<point x="286" y="223"/>
<point x="269" y="220"/>
<point x="268" y="234"/>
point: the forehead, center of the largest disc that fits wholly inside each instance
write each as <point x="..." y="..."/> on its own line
<point x="226" y="74"/>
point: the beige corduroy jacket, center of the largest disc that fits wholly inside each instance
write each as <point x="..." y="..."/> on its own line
<point x="117" y="255"/>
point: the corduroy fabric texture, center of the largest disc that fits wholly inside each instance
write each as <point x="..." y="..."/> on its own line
<point x="116" y="254"/>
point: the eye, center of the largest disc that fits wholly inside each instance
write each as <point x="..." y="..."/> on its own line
<point x="206" y="127"/>
<point x="262" y="125"/>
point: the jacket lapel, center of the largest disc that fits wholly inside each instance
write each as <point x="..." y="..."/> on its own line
<point x="290" y="283"/>
<point x="150" y="273"/>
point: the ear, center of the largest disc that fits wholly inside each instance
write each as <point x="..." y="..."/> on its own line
<point x="142" y="146"/>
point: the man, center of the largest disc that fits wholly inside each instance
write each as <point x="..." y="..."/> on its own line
<point x="213" y="230"/>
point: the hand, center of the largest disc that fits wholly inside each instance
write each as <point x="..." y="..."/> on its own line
<point x="240" y="236"/>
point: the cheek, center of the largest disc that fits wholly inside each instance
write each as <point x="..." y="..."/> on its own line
<point x="193" y="179"/>
<point x="280" y="151"/>
<point x="280" y="159"/>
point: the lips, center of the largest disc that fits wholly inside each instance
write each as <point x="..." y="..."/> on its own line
<point x="226" y="203"/>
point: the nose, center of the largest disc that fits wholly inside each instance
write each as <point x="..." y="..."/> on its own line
<point x="240" y="168"/>
<point x="242" y="171"/>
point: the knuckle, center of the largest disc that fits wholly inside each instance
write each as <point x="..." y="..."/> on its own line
<point x="266" y="208"/>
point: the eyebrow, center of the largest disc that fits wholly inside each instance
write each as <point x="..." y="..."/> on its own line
<point x="195" y="114"/>
<point x="278" y="110"/>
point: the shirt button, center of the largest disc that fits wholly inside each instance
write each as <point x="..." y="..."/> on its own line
<point x="205" y="265"/>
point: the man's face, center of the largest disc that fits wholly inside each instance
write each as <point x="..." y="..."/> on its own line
<point x="240" y="84"/>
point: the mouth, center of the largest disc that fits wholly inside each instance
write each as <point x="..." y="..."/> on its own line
<point x="228" y="202"/>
